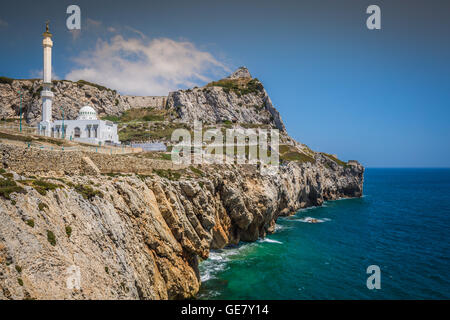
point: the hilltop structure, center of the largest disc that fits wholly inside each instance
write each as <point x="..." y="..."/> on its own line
<point x="86" y="128"/>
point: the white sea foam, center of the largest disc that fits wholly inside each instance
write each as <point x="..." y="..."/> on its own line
<point x="218" y="261"/>
<point x="312" y="220"/>
<point x="270" y="241"/>
<point x="279" y="227"/>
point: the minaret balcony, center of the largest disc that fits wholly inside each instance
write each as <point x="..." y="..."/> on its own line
<point x="47" y="94"/>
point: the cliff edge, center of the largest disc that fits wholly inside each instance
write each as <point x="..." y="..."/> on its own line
<point x="79" y="225"/>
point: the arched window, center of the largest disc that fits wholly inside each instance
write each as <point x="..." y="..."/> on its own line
<point x="77" y="132"/>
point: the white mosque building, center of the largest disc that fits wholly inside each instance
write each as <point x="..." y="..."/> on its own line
<point x="86" y="128"/>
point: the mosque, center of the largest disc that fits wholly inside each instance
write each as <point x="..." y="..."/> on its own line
<point x="86" y="128"/>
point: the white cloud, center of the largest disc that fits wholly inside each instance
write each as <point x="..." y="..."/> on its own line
<point x="141" y="34"/>
<point x="146" y="67"/>
<point x="93" y="24"/>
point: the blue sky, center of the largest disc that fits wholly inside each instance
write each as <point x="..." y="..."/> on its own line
<point x="381" y="97"/>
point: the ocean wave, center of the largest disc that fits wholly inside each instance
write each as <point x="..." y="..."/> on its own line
<point x="270" y="241"/>
<point x="218" y="261"/>
<point x="312" y="220"/>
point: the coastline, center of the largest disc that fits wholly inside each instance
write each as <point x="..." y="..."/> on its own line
<point x="153" y="227"/>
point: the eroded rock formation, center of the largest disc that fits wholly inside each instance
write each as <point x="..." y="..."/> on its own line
<point x="136" y="237"/>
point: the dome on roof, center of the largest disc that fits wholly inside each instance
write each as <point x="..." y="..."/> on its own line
<point x="87" y="113"/>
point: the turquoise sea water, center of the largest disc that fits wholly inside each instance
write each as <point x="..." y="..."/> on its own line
<point x="401" y="224"/>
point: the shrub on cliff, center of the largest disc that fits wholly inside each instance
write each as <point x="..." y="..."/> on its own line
<point x="51" y="238"/>
<point x="42" y="186"/>
<point x="6" y="80"/>
<point x="333" y="158"/>
<point x="238" y="86"/>
<point x="99" y="87"/>
<point x="7" y="187"/>
<point x="88" y="192"/>
<point x="168" y="174"/>
<point x="297" y="157"/>
<point x="14" y="137"/>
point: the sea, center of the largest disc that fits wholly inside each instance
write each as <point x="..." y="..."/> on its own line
<point x="401" y="225"/>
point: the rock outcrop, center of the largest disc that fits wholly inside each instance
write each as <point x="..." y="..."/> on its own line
<point x="141" y="237"/>
<point x="238" y="98"/>
<point x="128" y="227"/>
<point x="70" y="97"/>
<point x="241" y="72"/>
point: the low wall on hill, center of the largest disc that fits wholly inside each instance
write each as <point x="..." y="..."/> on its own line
<point x="146" y="102"/>
<point x="25" y="160"/>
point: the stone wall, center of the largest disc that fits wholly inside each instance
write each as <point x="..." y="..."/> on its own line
<point x="33" y="161"/>
<point x="71" y="96"/>
<point x="145" y="102"/>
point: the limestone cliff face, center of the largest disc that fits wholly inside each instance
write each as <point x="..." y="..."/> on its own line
<point x="238" y="98"/>
<point x="140" y="235"/>
<point x="136" y="237"/>
<point x="71" y="96"/>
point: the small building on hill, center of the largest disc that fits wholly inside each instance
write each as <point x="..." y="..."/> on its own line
<point x="86" y="128"/>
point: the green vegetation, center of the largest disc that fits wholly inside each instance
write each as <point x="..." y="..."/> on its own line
<point x="58" y="142"/>
<point x="159" y="131"/>
<point x="8" y="186"/>
<point x="107" y="270"/>
<point x="30" y="223"/>
<point x="238" y="86"/>
<point x="18" y="268"/>
<point x="283" y="148"/>
<point x="168" y="174"/>
<point x="333" y="158"/>
<point x="20" y="281"/>
<point x="88" y="192"/>
<point x="68" y="231"/>
<point x="290" y="153"/>
<point x="166" y="156"/>
<point x="42" y="206"/>
<point x="197" y="171"/>
<point x="99" y="87"/>
<point x="8" y="176"/>
<point x="42" y="186"/>
<point x="259" y="108"/>
<point x="297" y="156"/>
<point x="6" y="80"/>
<point x="51" y="238"/>
<point x="111" y="118"/>
<point x="14" y="137"/>
<point x="139" y="115"/>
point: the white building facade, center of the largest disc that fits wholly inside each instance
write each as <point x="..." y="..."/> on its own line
<point x="86" y="128"/>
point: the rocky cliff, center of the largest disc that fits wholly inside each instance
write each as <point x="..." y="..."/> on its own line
<point x="141" y="237"/>
<point x="238" y="98"/>
<point x="140" y="233"/>
<point x="69" y="96"/>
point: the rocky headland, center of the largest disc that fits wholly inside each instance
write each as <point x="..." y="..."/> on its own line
<point x="140" y="232"/>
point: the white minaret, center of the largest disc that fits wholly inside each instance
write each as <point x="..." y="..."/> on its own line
<point x="47" y="94"/>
